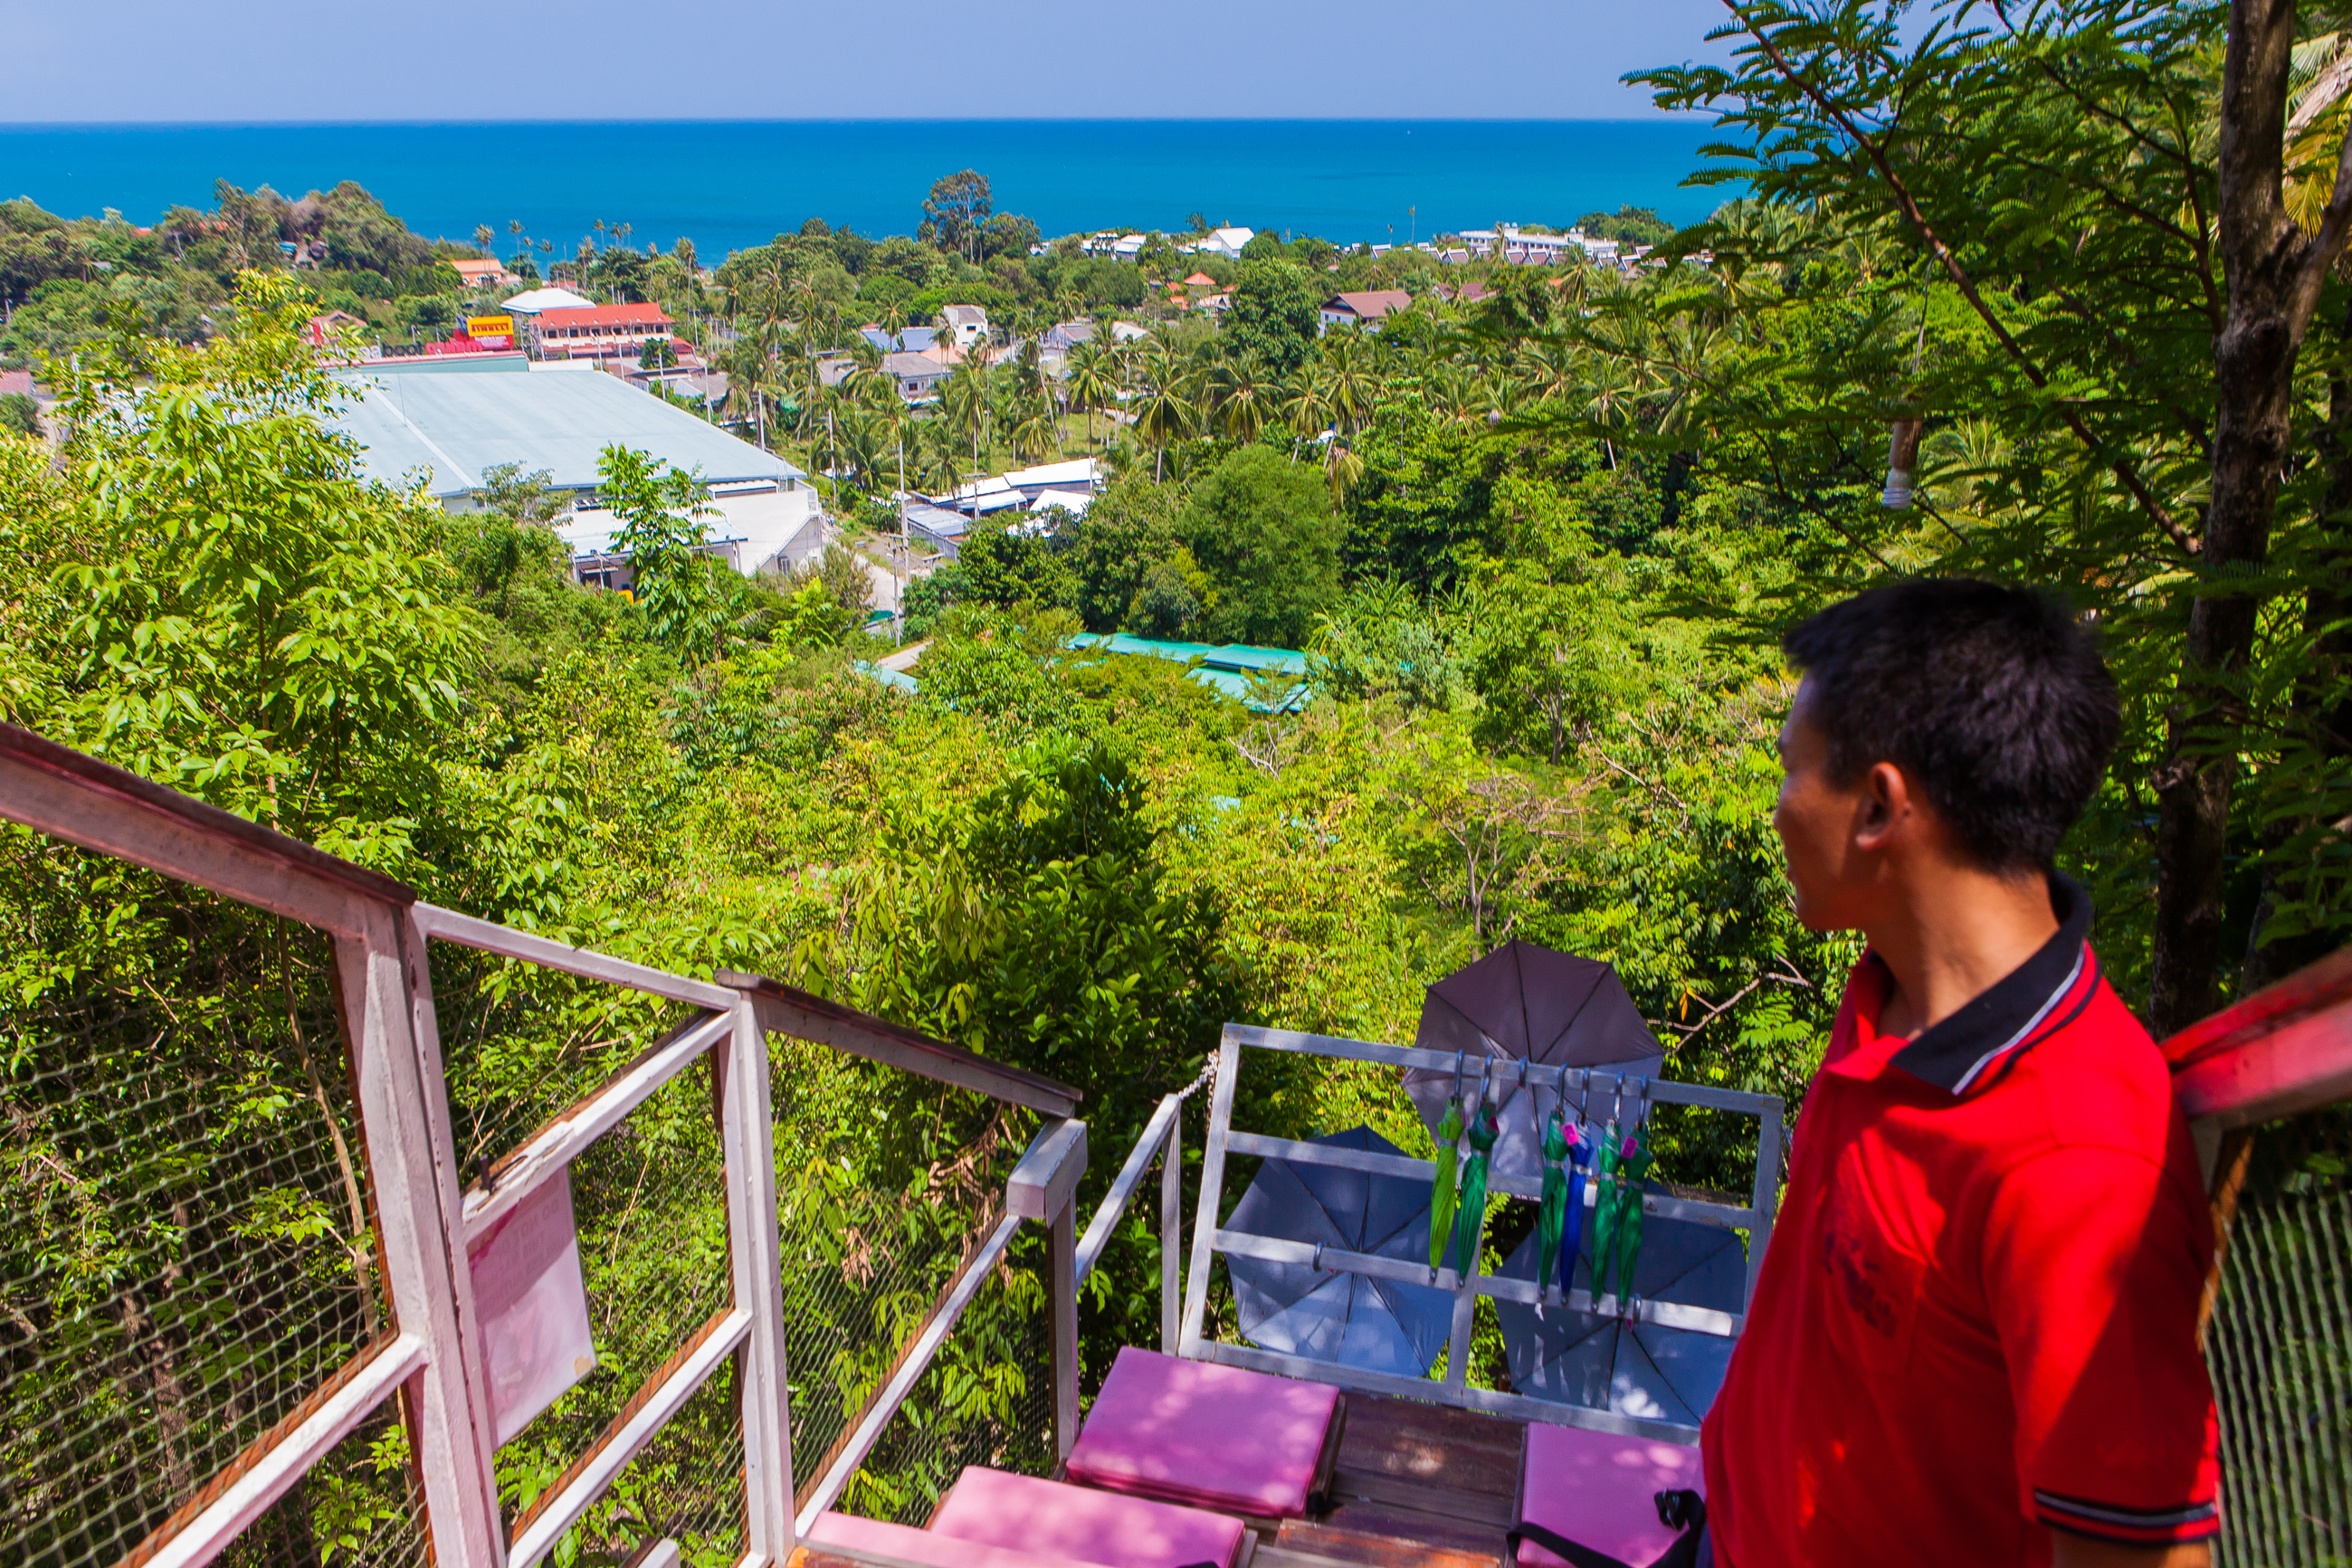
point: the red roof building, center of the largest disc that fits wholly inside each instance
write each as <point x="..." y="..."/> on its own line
<point x="598" y="331"/>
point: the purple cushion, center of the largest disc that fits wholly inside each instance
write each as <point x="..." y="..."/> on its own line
<point x="921" y="1546"/>
<point x="1215" y="1436"/>
<point x="1049" y="1518"/>
<point x="1600" y="1490"/>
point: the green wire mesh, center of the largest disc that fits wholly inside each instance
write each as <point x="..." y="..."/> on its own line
<point x="185" y="1253"/>
<point x="2280" y="1348"/>
<point x="887" y="1184"/>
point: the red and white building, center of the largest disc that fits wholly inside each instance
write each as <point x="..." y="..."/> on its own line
<point x="598" y="331"/>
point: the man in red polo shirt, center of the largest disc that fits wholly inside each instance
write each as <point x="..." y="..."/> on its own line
<point x="1973" y="1339"/>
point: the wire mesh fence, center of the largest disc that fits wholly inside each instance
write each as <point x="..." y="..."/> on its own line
<point x="185" y="1253"/>
<point x="2279" y="1346"/>
<point x="520" y="1044"/>
<point x="685" y="1485"/>
<point x="987" y="1400"/>
<point x="887" y="1184"/>
<point x="358" y="1507"/>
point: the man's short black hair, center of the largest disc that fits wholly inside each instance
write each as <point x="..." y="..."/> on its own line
<point x="1994" y="700"/>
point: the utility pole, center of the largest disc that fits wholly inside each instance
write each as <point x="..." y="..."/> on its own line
<point x="898" y="607"/>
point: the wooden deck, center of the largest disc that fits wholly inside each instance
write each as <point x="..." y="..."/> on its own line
<point x="1416" y="1486"/>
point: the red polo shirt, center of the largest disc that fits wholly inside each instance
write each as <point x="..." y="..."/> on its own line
<point x="1977" y="1320"/>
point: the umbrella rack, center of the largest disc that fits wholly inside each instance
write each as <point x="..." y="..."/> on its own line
<point x="1210" y="1238"/>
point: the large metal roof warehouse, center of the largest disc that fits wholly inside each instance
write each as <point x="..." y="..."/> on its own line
<point x="420" y="419"/>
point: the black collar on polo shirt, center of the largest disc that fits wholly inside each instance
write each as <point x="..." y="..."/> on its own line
<point x="2021" y="1008"/>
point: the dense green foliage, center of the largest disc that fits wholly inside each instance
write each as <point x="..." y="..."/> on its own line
<point x="1537" y="544"/>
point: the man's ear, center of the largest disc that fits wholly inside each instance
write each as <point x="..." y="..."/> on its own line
<point x="1882" y="810"/>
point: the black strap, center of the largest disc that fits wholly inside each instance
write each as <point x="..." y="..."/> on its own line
<point x="1681" y="1510"/>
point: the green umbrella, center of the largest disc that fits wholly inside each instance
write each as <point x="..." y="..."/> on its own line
<point x="1441" y="1199"/>
<point x="1631" y="1170"/>
<point x="1604" y="1212"/>
<point x="1483" y="1130"/>
<point x="1553" y="1219"/>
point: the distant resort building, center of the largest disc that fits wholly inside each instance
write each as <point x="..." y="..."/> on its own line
<point x="1025" y="489"/>
<point x="939" y="524"/>
<point x="445" y="422"/>
<point x="532" y="301"/>
<point x="1365" y="307"/>
<point x="487" y="273"/>
<point x="1226" y="242"/>
<point x="598" y="331"/>
<point x="918" y="375"/>
<point x="968" y="322"/>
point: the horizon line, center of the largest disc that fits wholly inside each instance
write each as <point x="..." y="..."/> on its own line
<point x="1657" y="118"/>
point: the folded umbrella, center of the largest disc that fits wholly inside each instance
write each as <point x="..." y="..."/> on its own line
<point x="1533" y="1004"/>
<point x="1380" y="1325"/>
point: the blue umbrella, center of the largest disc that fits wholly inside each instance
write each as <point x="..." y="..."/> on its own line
<point x="1638" y="1369"/>
<point x="1379" y="1325"/>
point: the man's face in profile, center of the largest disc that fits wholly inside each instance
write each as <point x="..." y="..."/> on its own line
<point x="1815" y="819"/>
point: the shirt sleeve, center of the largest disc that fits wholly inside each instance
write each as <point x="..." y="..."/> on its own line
<point x="2093" y="1265"/>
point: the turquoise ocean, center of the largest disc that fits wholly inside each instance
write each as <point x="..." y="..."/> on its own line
<point x="727" y="184"/>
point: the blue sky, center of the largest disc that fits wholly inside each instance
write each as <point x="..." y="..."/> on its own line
<point x="247" y="60"/>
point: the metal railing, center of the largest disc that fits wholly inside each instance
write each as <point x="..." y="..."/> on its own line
<point x="1212" y="1238"/>
<point x="241" y="1287"/>
<point x="2265" y="1084"/>
<point x="392" y="1437"/>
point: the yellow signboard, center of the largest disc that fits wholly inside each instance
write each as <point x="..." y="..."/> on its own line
<point x="490" y="326"/>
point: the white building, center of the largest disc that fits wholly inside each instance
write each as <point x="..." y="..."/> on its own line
<point x="1226" y="242"/>
<point x="969" y="322"/>
<point x="417" y="419"/>
<point x="532" y="301"/>
<point x="1513" y="243"/>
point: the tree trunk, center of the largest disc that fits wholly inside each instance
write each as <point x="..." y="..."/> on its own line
<point x="2262" y="258"/>
<point x="2321" y="712"/>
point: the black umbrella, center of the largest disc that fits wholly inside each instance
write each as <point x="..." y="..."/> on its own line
<point x="1635" y="1369"/>
<point x="1524" y="1001"/>
<point x="1380" y="1325"/>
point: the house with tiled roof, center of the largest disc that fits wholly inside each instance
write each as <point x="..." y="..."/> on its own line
<point x="598" y="331"/>
<point x="1363" y="307"/>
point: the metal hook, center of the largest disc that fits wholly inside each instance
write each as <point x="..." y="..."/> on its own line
<point x="1617" y="1104"/>
<point x="1457" y="1075"/>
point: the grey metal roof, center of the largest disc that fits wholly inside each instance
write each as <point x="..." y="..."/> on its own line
<point x="453" y="428"/>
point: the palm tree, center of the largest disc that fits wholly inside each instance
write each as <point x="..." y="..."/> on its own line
<point x="1090" y="383"/>
<point x="1611" y="393"/>
<point x="1239" y="397"/>
<point x="1304" y="408"/>
<point x="963" y="401"/>
<point x="1164" y="407"/>
<point x="1036" y="429"/>
<point x="1341" y="470"/>
<point x="1351" y="388"/>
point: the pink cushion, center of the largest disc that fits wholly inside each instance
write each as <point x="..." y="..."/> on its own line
<point x="1050" y="1518"/>
<point x="920" y="1546"/>
<point x="1600" y="1490"/>
<point x="1216" y="1436"/>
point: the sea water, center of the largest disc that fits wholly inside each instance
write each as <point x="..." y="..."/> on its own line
<point x="727" y="184"/>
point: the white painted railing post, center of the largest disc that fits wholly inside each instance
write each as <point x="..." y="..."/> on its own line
<point x="404" y="1102"/>
<point x="1171" y="1233"/>
<point x="1044" y="1186"/>
<point x="747" y="1132"/>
